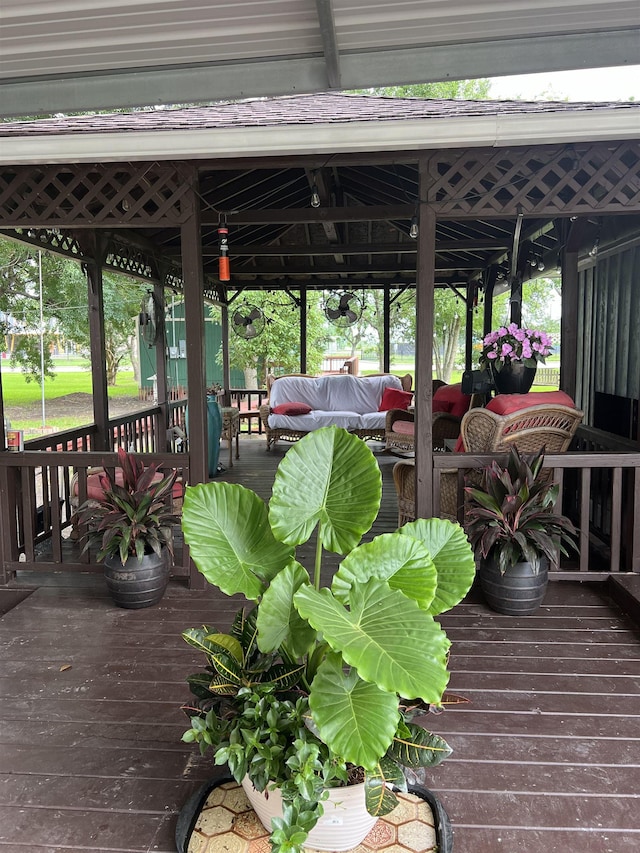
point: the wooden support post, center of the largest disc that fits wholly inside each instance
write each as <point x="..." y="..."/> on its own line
<point x="569" y="324"/>
<point x="226" y="366"/>
<point x="472" y="291"/>
<point x="386" y="343"/>
<point x="303" y="330"/>
<point x="196" y="375"/>
<point x="488" y="300"/>
<point x="103" y="440"/>
<point x="425" y="284"/>
<point x="162" y="419"/>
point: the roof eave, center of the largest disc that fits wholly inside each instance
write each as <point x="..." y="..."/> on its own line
<point x="348" y="137"/>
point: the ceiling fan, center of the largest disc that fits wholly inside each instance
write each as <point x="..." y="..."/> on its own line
<point x="148" y="320"/>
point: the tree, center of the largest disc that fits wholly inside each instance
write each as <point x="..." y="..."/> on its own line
<point x="278" y="345"/>
<point x="64" y="298"/>
<point x="469" y="90"/>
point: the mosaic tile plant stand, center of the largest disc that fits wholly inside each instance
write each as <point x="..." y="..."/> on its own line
<point x="219" y="819"/>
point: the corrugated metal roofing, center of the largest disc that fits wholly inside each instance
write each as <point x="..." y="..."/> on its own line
<point x="78" y="54"/>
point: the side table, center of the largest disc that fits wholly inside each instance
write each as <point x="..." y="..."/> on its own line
<point x="231" y="429"/>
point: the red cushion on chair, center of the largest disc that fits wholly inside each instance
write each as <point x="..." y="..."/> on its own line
<point x="505" y="404"/>
<point x="404" y="427"/>
<point x="95" y="491"/>
<point x="450" y="399"/>
<point x="291" y="409"/>
<point x="394" y="398"/>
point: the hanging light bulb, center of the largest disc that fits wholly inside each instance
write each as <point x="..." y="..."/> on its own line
<point x="413" y="230"/>
<point x="540" y="264"/>
<point x="315" y="196"/>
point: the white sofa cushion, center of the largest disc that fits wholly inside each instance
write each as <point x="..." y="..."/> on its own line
<point x="346" y="401"/>
<point x="344" y="393"/>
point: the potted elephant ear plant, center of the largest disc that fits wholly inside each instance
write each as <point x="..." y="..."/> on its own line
<point x="515" y="532"/>
<point x="129" y="518"/>
<point x="312" y="694"/>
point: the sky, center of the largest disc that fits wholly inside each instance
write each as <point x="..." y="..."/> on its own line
<point x="592" y="84"/>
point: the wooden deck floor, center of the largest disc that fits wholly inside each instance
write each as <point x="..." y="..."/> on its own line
<point x="547" y="752"/>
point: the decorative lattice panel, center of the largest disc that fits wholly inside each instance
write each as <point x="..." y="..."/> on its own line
<point x="574" y="179"/>
<point x="94" y="194"/>
<point x="130" y="260"/>
<point x="52" y="240"/>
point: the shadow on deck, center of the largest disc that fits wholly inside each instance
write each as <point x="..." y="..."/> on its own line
<point x="545" y="753"/>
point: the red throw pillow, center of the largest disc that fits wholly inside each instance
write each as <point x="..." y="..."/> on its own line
<point x="450" y="399"/>
<point x="394" y="398"/>
<point x="291" y="409"/>
<point x="505" y="404"/>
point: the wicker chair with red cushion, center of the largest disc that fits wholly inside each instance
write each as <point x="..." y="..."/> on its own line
<point x="449" y="405"/>
<point x="530" y="422"/>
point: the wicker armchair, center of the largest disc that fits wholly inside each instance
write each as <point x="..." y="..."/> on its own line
<point x="531" y="429"/>
<point x="443" y="425"/>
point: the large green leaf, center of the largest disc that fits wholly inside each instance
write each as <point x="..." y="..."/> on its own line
<point x="230" y="541"/>
<point x="452" y="555"/>
<point x="385" y="636"/>
<point x="356" y="719"/>
<point x="402" y="561"/>
<point x="329" y="477"/>
<point x="279" y="623"/>
<point x="420" y="749"/>
<point x="379" y="798"/>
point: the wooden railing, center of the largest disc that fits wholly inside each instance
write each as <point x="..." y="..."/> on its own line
<point x="248" y="400"/>
<point x="599" y="491"/>
<point x="45" y="487"/>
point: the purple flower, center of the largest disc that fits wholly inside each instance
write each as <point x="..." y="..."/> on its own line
<point x="507" y="349"/>
<point x="493" y="354"/>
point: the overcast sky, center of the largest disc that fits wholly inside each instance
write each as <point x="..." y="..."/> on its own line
<point x="592" y="84"/>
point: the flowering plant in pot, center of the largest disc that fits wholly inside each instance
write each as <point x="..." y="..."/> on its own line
<point x="513" y="350"/>
<point x="515" y="532"/>
<point x="130" y="519"/>
<point x="317" y="686"/>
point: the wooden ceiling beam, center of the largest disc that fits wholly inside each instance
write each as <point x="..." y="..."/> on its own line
<point x="362" y="213"/>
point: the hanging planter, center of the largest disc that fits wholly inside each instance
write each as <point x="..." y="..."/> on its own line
<point x="512" y="355"/>
<point x="514" y="378"/>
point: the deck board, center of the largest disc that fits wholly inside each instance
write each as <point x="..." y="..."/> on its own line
<point x="546" y="751"/>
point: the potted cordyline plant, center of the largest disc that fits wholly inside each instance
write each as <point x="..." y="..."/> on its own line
<point x="316" y="687"/>
<point x="130" y="520"/>
<point x="512" y="525"/>
<point x="511" y="354"/>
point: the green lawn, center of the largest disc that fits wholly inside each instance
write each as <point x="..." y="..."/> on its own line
<point x="18" y="392"/>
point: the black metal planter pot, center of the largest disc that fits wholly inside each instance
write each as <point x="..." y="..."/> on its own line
<point x="190" y="812"/>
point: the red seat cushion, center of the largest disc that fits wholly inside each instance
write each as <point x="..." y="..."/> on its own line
<point x="394" y="398"/>
<point x="505" y="404"/>
<point x="450" y="399"/>
<point x="95" y="490"/>
<point x="404" y="427"/>
<point x="291" y="409"/>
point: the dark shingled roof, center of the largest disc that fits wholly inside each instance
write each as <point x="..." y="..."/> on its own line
<point x="296" y="110"/>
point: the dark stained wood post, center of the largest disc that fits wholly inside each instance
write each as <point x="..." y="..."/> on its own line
<point x="569" y="324"/>
<point x="162" y="420"/>
<point x="492" y="275"/>
<point x="303" y="329"/>
<point x="102" y="439"/>
<point x="425" y="283"/>
<point x="192" y="276"/>
<point x="226" y="367"/>
<point x="3" y="442"/>
<point x="386" y="343"/>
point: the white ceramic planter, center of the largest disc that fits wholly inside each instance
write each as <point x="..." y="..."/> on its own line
<point x="345" y="823"/>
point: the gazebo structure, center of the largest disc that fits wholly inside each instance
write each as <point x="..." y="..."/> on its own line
<point x="492" y="185"/>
